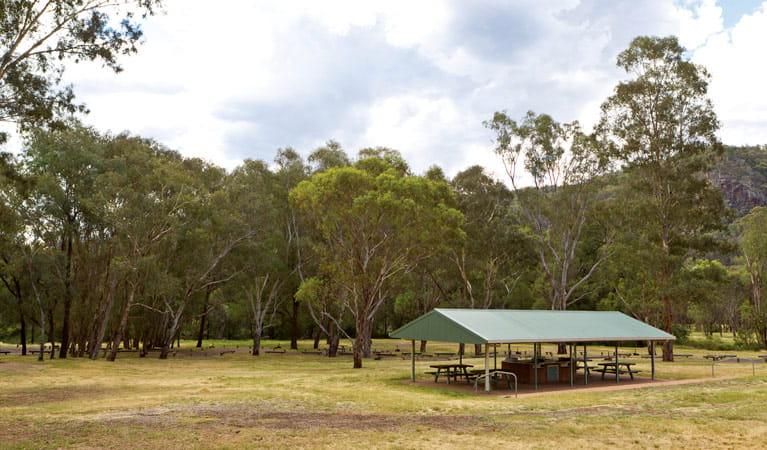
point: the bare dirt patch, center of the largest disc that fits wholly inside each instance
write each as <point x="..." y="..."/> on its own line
<point x="595" y="384"/>
<point x="12" y="367"/>
<point x="252" y="415"/>
<point x="47" y="395"/>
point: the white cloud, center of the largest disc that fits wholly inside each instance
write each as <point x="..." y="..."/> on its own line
<point x="734" y="59"/>
<point x="697" y="24"/>
<point x="243" y="78"/>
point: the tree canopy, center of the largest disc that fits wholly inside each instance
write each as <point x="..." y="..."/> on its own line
<point x="39" y="37"/>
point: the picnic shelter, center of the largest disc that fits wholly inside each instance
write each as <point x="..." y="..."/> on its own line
<point x="491" y="327"/>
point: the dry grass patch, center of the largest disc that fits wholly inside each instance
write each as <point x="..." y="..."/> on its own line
<point x="306" y="401"/>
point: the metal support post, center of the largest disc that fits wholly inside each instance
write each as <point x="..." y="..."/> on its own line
<point x="535" y="365"/>
<point x="487" y="368"/>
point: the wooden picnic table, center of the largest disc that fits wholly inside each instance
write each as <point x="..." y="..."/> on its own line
<point x="32" y="352"/>
<point x="718" y="357"/>
<point x="581" y="363"/>
<point x="450" y="371"/>
<point x="618" y="368"/>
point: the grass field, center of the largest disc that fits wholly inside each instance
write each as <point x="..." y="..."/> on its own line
<point x="294" y="400"/>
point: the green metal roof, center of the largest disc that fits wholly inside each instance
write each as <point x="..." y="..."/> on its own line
<point x="500" y="326"/>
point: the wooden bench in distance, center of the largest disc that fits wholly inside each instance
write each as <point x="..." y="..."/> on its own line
<point x="604" y="370"/>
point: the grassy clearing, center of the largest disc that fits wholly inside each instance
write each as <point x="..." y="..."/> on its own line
<point x="296" y="400"/>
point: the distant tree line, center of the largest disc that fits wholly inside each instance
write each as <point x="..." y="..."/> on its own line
<point x="117" y="241"/>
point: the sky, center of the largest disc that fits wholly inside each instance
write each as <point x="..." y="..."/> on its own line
<point x="244" y="78"/>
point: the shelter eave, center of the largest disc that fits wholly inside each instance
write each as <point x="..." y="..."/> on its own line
<point x="575" y="340"/>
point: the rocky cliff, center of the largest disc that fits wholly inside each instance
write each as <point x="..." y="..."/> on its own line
<point x="742" y="175"/>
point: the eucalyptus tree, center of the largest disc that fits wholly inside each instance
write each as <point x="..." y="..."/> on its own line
<point x="262" y="262"/>
<point x="39" y="37"/>
<point x="291" y="170"/>
<point x="563" y="165"/>
<point x="372" y="227"/>
<point x="141" y="196"/>
<point x="661" y="125"/>
<point x="13" y="189"/>
<point x="326" y="302"/>
<point x="328" y="156"/>
<point x="64" y="164"/>
<point x="493" y="239"/>
<point x="486" y="262"/>
<point x="210" y="227"/>
<point x="753" y="244"/>
<point x="714" y="294"/>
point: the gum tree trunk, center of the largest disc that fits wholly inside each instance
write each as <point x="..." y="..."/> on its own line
<point x="105" y="319"/>
<point x="256" y="344"/>
<point x="123" y="324"/>
<point x="360" y="341"/>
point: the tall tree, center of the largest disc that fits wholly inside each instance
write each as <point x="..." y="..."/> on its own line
<point x="211" y="228"/>
<point x="291" y="171"/>
<point x="38" y="37"/>
<point x="13" y="191"/>
<point x="142" y="196"/>
<point x="662" y="126"/>
<point x="753" y="244"/>
<point x="372" y="227"/>
<point x="65" y="164"/>
<point x="328" y="156"/>
<point x="563" y="164"/>
<point x="262" y="260"/>
<point x="493" y="238"/>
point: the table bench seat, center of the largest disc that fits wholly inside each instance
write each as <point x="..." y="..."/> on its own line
<point x="604" y="370"/>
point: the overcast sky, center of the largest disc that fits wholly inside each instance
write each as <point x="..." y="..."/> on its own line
<point x="236" y="79"/>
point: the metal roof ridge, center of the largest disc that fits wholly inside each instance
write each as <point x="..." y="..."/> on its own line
<point x="530" y="310"/>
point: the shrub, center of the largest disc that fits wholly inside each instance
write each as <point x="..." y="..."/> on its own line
<point x="681" y="332"/>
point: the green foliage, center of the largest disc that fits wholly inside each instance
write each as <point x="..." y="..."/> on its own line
<point x="37" y="38"/>
<point x="375" y="223"/>
<point x="662" y="127"/>
<point x="564" y="164"/>
<point x="753" y="243"/>
<point x="122" y="237"/>
<point x="713" y="343"/>
<point x="681" y="332"/>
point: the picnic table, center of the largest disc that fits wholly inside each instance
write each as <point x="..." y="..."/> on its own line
<point x="718" y="357"/>
<point x="47" y="350"/>
<point x="583" y="363"/>
<point x="618" y="368"/>
<point x="450" y="371"/>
